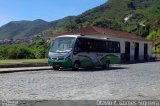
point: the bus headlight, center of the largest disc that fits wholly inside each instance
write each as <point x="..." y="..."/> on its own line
<point x="49" y="58"/>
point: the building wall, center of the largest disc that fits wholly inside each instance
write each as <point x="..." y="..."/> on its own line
<point x="141" y="50"/>
<point x="132" y="47"/>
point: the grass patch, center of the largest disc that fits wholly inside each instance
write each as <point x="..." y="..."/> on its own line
<point x="24" y="61"/>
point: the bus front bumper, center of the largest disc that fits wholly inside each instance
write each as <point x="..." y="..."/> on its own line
<point x="67" y="63"/>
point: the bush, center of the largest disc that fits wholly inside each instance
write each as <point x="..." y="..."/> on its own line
<point x="19" y="52"/>
<point x="37" y="49"/>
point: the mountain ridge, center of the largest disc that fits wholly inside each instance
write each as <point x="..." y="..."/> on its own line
<point x="22" y="28"/>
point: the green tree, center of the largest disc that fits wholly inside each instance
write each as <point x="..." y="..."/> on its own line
<point x="19" y="52"/>
<point x="3" y="52"/>
<point x="154" y="36"/>
<point x="36" y="49"/>
<point x="40" y="48"/>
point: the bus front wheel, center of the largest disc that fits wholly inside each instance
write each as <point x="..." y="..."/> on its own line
<point x="76" y="66"/>
<point x="55" y="68"/>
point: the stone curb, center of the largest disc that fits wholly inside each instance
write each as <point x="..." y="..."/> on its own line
<point x="24" y="69"/>
<point x="16" y="65"/>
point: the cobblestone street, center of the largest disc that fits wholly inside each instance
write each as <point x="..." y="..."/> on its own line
<point x="134" y="81"/>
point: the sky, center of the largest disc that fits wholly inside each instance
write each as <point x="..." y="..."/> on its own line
<point x="48" y="10"/>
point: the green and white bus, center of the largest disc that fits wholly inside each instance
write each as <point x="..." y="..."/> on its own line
<point x="78" y="51"/>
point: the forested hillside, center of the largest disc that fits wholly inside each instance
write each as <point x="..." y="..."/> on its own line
<point x="140" y="15"/>
<point x="135" y="16"/>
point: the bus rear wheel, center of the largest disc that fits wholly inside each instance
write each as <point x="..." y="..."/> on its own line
<point x="76" y="66"/>
<point x="107" y="65"/>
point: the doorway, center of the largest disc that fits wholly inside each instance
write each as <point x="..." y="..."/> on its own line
<point x="145" y="52"/>
<point x="136" y="52"/>
<point x="127" y="51"/>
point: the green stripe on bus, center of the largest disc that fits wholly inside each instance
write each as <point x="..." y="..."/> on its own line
<point x="86" y="62"/>
<point x="112" y="58"/>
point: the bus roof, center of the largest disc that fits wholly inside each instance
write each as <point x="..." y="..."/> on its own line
<point x="84" y="36"/>
<point x="68" y="36"/>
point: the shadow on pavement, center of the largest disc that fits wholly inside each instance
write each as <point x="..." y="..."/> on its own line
<point x="96" y="69"/>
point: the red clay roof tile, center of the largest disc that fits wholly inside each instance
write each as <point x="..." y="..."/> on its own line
<point x="93" y="30"/>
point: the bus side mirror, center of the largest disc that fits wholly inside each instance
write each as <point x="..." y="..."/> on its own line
<point x="75" y="52"/>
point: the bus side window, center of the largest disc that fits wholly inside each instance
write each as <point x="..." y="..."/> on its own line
<point x="90" y="45"/>
<point x="109" y="47"/>
<point x="116" y="47"/>
<point x="78" y="46"/>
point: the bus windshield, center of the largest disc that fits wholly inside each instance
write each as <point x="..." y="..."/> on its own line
<point x="62" y="44"/>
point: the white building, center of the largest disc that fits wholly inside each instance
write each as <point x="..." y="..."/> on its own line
<point x="133" y="48"/>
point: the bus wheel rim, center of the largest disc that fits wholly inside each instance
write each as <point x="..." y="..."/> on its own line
<point x="76" y="65"/>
